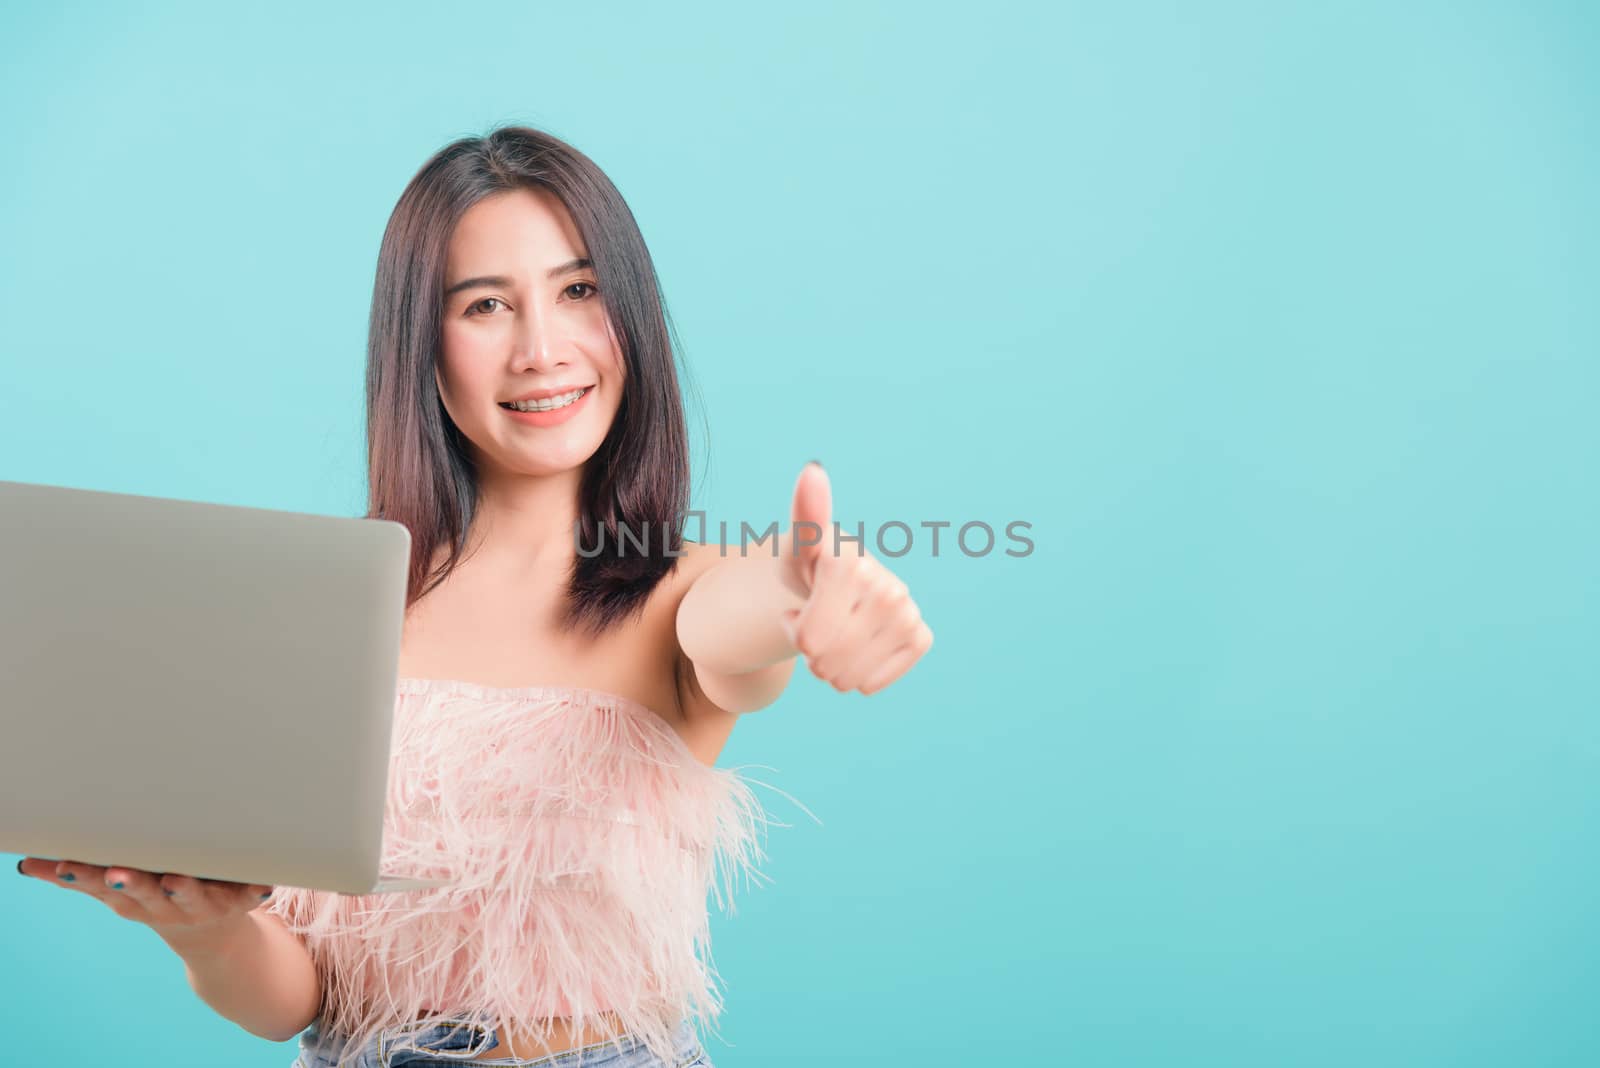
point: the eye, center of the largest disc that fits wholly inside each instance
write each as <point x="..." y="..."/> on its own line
<point x="485" y="300"/>
<point x="584" y="285"/>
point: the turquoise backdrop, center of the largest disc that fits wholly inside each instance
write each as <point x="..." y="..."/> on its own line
<point x="1276" y="322"/>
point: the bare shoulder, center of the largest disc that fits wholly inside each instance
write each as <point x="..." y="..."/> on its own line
<point x="698" y="557"/>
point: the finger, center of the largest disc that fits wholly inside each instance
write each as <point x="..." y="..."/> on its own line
<point x="39" y="868"/>
<point x="42" y="869"/>
<point x="224" y="895"/>
<point x="898" y="627"/>
<point x="249" y="895"/>
<point x="900" y="662"/>
<point x="140" y="891"/>
<point x="230" y="896"/>
<point x="152" y="890"/>
<point x="186" y="895"/>
<point x="169" y="898"/>
<point x="869" y="629"/>
<point x="810" y="515"/>
<point x="92" y="881"/>
<point x="834" y="593"/>
<point x="84" y="878"/>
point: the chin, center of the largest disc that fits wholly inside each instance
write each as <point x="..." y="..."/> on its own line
<point x="555" y="465"/>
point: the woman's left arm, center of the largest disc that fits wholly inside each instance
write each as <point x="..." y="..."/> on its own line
<point x="743" y="620"/>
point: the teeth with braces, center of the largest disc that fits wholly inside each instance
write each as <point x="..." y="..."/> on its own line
<point x="548" y="404"/>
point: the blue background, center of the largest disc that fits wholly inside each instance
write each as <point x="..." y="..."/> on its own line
<point x="1278" y="324"/>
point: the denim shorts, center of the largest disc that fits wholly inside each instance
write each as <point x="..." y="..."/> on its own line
<point x="454" y="1044"/>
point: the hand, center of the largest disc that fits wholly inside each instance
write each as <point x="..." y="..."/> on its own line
<point x="859" y="627"/>
<point x="169" y="904"/>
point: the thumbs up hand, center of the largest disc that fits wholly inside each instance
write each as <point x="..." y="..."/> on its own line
<point x="859" y="627"/>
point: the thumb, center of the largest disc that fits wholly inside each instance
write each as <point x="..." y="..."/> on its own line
<point x="811" y="519"/>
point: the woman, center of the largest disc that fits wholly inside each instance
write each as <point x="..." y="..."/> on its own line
<point x="571" y="666"/>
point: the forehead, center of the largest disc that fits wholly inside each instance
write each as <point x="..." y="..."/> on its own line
<point x="522" y="231"/>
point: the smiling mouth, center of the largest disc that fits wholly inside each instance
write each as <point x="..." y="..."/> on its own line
<point x="549" y="404"/>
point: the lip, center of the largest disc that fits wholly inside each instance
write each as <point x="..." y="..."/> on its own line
<point x="552" y="418"/>
<point x="546" y="394"/>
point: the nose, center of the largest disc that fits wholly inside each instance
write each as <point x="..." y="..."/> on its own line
<point x="538" y="348"/>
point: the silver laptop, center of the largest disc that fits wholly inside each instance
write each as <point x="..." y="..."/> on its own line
<point x="198" y="689"/>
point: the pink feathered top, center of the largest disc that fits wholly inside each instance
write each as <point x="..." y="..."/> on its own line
<point x="586" y="836"/>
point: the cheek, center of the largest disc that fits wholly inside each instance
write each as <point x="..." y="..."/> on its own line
<point x="465" y="362"/>
<point x="459" y="350"/>
<point x="605" y="340"/>
<point x="617" y="368"/>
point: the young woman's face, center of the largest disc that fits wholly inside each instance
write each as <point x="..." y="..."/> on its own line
<point x="529" y="322"/>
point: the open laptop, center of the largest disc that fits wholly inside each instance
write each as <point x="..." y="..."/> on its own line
<point x="199" y="689"/>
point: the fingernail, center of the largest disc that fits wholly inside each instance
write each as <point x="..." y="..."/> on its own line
<point x="266" y="895"/>
<point x="69" y="877"/>
<point x="19" y="868"/>
<point x="817" y="462"/>
<point x="116" y="886"/>
<point x="169" y="893"/>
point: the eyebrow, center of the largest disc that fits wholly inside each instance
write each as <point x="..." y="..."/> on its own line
<point x="577" y="264"/>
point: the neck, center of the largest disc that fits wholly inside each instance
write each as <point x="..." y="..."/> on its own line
<point x="524" y="523"/>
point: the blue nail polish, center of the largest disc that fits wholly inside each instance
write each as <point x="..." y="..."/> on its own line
<point x="266" y="895"/>
<point x="116" y="886"/>
<point x="69" y="877"/>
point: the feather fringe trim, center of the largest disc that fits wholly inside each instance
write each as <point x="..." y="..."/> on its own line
<point x="585" y="835"/>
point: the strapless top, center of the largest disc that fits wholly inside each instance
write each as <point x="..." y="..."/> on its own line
<point x="584" y="836"/>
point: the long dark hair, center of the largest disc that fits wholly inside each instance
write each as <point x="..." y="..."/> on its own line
<point x="419" y="473"/>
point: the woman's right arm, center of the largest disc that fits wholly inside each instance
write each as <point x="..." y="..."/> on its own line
<point x="240" y="959"/>
<point x="253" y="971"/>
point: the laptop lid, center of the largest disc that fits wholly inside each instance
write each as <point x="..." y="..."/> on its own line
<point x="198" y="688"/>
